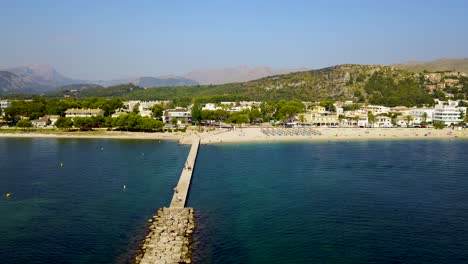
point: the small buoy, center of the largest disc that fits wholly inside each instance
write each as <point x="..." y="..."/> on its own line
<point x="61" y="164"/>
<point x="102" y="148"/>
<point x="7" y="195"/>
<point x="125" y="186"/>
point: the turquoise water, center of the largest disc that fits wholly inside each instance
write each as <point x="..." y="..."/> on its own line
<point x="357" y="202"/>
<point x="79" y="212"/>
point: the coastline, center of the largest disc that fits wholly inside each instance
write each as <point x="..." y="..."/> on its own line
<point x="255" y="135"/>
<point x="96" y="135"/>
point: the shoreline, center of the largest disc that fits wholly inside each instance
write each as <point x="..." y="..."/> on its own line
<point x="95" y="135"/>
<point x="255" y="135"/>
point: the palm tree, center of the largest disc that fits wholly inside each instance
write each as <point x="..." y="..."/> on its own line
<point x="408" y="119"/>
<point x="371" y="118"/>
<point x="424" y="116"/>
<point x="340" y="118"/>
<point x="302" y="118"/>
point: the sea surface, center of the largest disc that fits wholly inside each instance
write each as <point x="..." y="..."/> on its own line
<point x="325" y="202"/>
<point x="68" y="203"/>
<point x="346" y="202"/>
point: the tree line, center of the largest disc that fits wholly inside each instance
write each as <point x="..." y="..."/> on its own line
<point x="39" y="106"/>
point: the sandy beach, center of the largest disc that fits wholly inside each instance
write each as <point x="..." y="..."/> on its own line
<point x="332" y="134"/>
<point x="255" y="134"/>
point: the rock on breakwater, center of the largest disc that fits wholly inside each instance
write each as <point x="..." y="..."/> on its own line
<point x="169" y="237"/>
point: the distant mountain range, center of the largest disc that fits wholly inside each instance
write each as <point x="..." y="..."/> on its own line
<point x="147" y="82"/>
<point x="38" y="79"/>
<point x="458" y="65"/>
<point x="32" y="79"/>
<point x="236" y="74"/>
<point x="44" y="78"/>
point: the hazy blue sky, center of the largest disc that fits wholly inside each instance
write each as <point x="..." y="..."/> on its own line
<point x="100" y="39"/>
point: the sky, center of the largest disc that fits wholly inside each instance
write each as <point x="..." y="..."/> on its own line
<point x="109" y="39"/>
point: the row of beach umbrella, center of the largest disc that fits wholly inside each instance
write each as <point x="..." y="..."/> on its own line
<point x="297" y="131"/>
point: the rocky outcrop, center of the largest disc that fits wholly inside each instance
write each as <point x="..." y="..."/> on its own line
<point x="169" y="237"/>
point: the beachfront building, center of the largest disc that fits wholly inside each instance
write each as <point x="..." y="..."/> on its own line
<point x="211" y="107"/>
<point x="449" y="114"/>
<point x="375" y="109"/>
<point x="41" y="122"/>
<point x="4" y="104"/>
<point x="320" y="117"/>
<point x="53" y="118"/>
<point x="401" y="121"/>
<point x="144" y="107"/>
<point x="383" y="121"/>
<point x="75" y="112"/>
<point x="357" y="120"/>
<point x="239" y="106"/>
<point x="402" y="110"/>
<point x="422" y="115"/>
<point x="182" y="115"/>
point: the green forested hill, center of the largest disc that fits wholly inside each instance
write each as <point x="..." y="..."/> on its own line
<point x="365" y="83"/>
<point x="343" y="82"/>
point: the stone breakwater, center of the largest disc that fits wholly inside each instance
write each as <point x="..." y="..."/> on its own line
<point x="169" y="237"/>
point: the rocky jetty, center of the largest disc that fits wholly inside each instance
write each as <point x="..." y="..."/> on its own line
<point x="169" y="237"/>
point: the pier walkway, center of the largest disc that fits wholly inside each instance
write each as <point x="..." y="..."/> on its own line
<point x="170" y="232"/>
<point x="181" y="190"/>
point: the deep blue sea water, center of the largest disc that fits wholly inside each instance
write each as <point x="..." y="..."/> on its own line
<point x="327" y="202"/>
<point x="79" y="212"/>
<point x="346" y="202"/>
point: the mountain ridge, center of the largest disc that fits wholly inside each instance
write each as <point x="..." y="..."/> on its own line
<point x="443" y="64"/>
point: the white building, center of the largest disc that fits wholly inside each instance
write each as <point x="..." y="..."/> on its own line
<point x="143" y="106"/>
<point x="41" y="122"/>
<point x="418" y="115"/>
<point x="73" y="112"/>
<point x="4" y="104"/>
<point x="376" y="109"/>
<point x="211" y="107"/>
<point x="383" y="121"/>
<point x="181" y="114"/>
<point x="449" y="114"/>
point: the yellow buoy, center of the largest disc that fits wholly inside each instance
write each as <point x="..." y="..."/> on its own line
<point x="7" y="195"/>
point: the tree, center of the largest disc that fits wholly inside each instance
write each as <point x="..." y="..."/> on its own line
<point x="302" y="118"/>
<point x="174" y="121"/>
<point x="238" y="118"/>
<point x="136" y="108"/>
<point x="109" y="122"/>
<point x="462" y="115"/>
<point x="64" y="123"/>
<point x="371" y="118"/>
<point x="424" y="116"/>
<point x="207" y="115"/>
<point x="340" y="118"/>
<point x="328" y="105"/>
<point x="255" y="115"/>
<point x="196" y="112"/>
<point x="83" y="123"/>
<point x="408" y="120"/>
<point x="24" y="123"/>
<point x="439" y="125"/>
<point x="157" y="111"/>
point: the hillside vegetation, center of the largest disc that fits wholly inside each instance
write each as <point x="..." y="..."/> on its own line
<point x="373" y="84"/>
